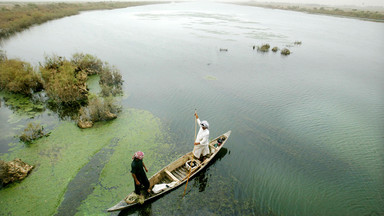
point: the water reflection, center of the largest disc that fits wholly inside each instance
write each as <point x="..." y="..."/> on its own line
<point x="201" y="181"/>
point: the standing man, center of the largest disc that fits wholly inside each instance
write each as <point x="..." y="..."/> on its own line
<point x="202" y="140"/>
<point x="138" y="174"/>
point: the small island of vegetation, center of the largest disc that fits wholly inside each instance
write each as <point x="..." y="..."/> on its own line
<point x="61" y="84"/>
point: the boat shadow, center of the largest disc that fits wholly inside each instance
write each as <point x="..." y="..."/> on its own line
<point x="201" y="181"/>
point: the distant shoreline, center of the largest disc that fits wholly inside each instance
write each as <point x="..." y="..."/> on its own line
<point x="374" y="14"/>
<point x="18" y="16"/>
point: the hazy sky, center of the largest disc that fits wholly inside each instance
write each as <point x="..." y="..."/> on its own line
<point x="320" y="2"/>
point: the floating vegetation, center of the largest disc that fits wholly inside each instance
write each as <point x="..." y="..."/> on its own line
<point x="263" y="48"/>
<point x="32" y="132"/>
<point x="285" y="51"/>
<point x="22" y="105"/>
<point x="60" y="156"/>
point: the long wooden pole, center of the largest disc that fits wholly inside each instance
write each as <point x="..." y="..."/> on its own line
<point x="193" y="158"/>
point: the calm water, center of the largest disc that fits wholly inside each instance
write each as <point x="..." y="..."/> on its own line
<point x="307" y="129"/>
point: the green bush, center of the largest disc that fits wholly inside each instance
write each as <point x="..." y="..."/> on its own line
<point x="275" y="49"/>
<point x="285" y="51"/>
<point x="99" y="109"/>
<point x="264" y="48"/>
<point x="61" y="81"/>
<point x="87" y="63"/>
<point x="18" y="77"/>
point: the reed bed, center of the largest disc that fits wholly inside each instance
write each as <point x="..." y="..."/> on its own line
<point x="368" y="13"/>
<point x="16" y="17"/>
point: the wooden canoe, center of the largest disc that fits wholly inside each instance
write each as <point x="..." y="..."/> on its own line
<point x="176" y="173"/>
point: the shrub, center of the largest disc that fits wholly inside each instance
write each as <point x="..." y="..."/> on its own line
<point x="87" y="63"/>
<point x="98" y="109"/>
<point x="32" y="132"/>
<point x="62" y="82"/>
<point x="264" y="48"/>
<point x="111" y="81"/>
<point x="18" y="77"/>
<point x="275" y="49"/>
<point x="285" y="51"/>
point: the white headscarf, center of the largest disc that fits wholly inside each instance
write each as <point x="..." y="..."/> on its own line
<point x="204" y="124"/>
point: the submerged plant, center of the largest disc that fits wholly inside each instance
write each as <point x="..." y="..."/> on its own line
<point x="22" y="105"/>
<point x="32" y="132"/>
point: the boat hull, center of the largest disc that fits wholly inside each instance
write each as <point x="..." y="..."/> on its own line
<point x="177" y="172"/>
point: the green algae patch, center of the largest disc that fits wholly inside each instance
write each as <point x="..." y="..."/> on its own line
<point x="115" y="181"/>
<point x="93" y="84"/>
<point x="22" y="106"/>
<point x="59" y="157"/>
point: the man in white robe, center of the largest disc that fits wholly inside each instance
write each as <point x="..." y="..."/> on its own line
<point x="202" y="139"/>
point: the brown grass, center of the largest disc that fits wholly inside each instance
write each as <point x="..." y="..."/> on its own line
<point x="371" y="14"/>
<point x="62" y="83"/>
<point x="15" y="17"/>
<point x="18" y="77"/>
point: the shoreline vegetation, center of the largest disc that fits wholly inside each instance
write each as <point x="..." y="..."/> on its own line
<point x="375" y="14"/>
<point x="61" y="84"/>
<point x="17" y="16"/>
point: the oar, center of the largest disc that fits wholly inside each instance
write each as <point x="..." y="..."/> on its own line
<point x="193" y="158"/>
